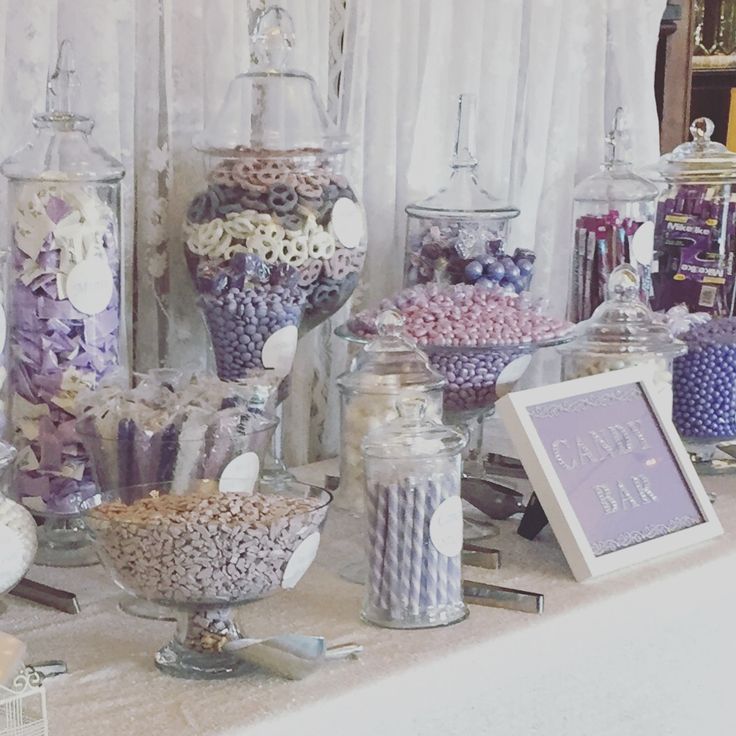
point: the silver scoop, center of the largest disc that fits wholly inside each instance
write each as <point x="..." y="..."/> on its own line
<point x="292" y="656"/>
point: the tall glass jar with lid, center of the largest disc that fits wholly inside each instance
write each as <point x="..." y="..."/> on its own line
<point x="387" y="369"/>
<point x="613" y="215"/>
<point x="65" y="323"/>
<point x="695" y="228"/>
<point x="275" y="239"/>
<point x="459" y="234"/>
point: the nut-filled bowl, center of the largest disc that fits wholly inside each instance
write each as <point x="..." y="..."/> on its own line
<point x="202" y="548"/>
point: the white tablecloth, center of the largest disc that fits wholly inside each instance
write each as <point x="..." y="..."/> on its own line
<point x="647" y="651"/>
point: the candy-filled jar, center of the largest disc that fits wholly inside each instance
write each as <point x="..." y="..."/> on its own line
<point x="276" y="231"/>
<point x="387" y="369"/>
<point x="623" y="332"/>
<point x="459" y="234"/>
<point x="704" y="410"/>
<point x="413" y="468"/>
<point x="614" y="215"/>
<point x="695" y="227"/>
<point x="64" y="301"/>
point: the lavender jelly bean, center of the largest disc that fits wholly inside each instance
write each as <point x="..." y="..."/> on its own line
<point x="705" y="382"/>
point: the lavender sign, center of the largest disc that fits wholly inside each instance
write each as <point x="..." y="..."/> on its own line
<point x="609" y="470"/>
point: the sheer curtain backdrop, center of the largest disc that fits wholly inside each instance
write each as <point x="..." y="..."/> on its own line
<point x="548" y="75"/>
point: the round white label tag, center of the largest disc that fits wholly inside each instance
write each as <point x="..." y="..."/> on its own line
<point x="279" y="350"/>
<point x="240" y="474"/>
<point x="3" y="328"/>
<point x="89" y="285"/>
<point x="642" y="244"/>
<point x="300" y="561"/>
<point x="446" y="527"/>
<point x="510" y="375"/>
<point x="347" y="222"/>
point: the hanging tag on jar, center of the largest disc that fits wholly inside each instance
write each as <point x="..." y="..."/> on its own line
<point x="89" y="285"/>
<point x="642" y="244"/>
<point x="446" y="527"/>
<point x="510" y="375"/>
<point x="300" y="561"/>
<point x="279" y="350"/>
<point x="347" y="222"/>
<point x="240" y="474"/>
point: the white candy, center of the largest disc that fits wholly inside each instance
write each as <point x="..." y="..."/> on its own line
<point x="17" y="542"/>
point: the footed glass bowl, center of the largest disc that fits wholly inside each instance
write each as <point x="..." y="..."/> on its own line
<point x="199" y="550"/>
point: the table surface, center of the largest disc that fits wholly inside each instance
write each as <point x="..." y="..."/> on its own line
<point x="648" y="650"/>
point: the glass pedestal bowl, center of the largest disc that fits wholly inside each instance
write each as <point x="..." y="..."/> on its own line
<point x="232" y="449"/>
<point x="201" y="549"/>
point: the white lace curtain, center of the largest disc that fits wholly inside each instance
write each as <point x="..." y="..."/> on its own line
<point x="548" y="75"/>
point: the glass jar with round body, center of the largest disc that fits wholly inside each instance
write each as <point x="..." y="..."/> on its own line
<point x="695" y="226"/>
<point x="704" y="409"/>
<point x="614" y="215"/>
<point x="201" y="548"/>
<point x="413" y="469"/>
<point x="458" y="235"/>
<point x="386" y="369"/>
<point x="64" y="307"/>
<point x="275" y="240"/>
<point x="622" y="333"/>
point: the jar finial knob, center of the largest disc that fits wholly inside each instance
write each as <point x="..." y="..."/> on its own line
<point x="62" y="83"/>
<point x="273" y="37"/>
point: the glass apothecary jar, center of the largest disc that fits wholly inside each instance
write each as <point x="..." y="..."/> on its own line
<point x="65" y="328"/>
<point x="623" y="333"/>
<point x="695" y="228"/>
<point x="459" y="234"/>
<point x="275" y="241"/>
<point x="704" y="409"/>
<point x="387" y="369"/>
<point x="614" y="214"/>
<point x="413" y="467"/>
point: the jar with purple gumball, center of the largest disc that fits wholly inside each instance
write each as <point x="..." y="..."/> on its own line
<point x="65" y="316"/>
<point x="275" y="241"/>
<point x="459" y="234"/>
<point x="614" y="215"/>
<point x="704" y="410"/>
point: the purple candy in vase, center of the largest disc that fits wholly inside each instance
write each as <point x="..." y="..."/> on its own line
<point x="64" y="301"/>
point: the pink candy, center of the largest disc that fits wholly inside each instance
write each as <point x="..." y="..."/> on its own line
<point x="465" y="315"/>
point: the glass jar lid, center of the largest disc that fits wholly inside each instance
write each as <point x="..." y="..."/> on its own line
<point x="412" y="435"/>
<point x="623" y="323"/>
<point x="271" y="108"/>
<point x="390" y="362"/>
<point x="700" y="160"/>
<point x="616" y="181"/>
<point x="62" y="149"/>
<point x="463" y="197"/>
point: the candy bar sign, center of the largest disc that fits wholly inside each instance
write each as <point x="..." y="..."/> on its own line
<point x="609" y="469"/>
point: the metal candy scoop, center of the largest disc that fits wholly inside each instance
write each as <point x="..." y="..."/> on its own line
<point x="293" y="656"/>
<point x="493" y="499"/>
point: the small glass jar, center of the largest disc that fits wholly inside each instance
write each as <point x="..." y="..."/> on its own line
<point x="613" y="214"/>
<point x="622" y="333"/>
<point x="386" y="370"/>
<point x="276" y="239"/>
<point x="695" y="227"/>
<point x="413" y="467"/>
<point x="64" y="307"/>
<point x="458" y="235"/>
<point x="705" y="387"/>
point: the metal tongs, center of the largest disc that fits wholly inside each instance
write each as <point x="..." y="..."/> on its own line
<point x="292" y="656"/>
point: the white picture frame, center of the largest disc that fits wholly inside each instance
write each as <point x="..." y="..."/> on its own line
<point x="514" y="410"/>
